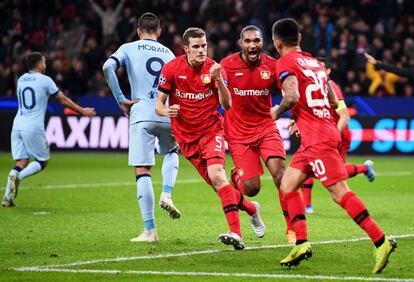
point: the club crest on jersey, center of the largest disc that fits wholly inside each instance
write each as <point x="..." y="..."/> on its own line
<point x="205" y="78"/>
<point x="265" y="74"/>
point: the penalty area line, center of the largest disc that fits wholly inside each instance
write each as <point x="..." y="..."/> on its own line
<point x="201" y="252"/>
<point x="213" y="274"/>
<point x="157" y="182"/>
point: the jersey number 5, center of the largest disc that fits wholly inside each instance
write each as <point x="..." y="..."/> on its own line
<point x="319" y="84"/>
<point x="155" y="72"/>
<point x="219" y="144"/>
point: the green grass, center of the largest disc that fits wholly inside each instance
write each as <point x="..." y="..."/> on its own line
<point x="95" y="221"/>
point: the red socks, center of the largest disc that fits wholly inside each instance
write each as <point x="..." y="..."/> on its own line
<point x="353" y="169"/>
<point x="306" y="189"/>
<point x="296" y="210"/>
<point x="359" y="213"/>
<point x="244" y="204"/>
<point x="230" y="208"/>
<point x="283" y="205"/>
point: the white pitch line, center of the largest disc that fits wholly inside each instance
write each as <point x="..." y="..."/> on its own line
<point x="214" y="274"/>
<point x="157" y="182"/>
<point x="186" y="254"/>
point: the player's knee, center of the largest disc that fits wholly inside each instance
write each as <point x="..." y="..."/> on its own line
<point x="43" y="164"/>
<point x="217" y="177"/>
<point x="142" y="170"/>
<point x="252" y="186"/>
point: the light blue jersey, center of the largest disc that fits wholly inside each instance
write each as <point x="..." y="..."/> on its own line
<point x="33" y="92"/>
<point x="143" y="60"/>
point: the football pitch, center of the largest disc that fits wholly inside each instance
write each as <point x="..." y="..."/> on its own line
<point x="73" y="222"/>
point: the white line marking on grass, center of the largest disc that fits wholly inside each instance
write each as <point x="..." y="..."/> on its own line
<point x="214" y="274"/>
<point x="186" y="254"/>
<point x="156" y="182"/>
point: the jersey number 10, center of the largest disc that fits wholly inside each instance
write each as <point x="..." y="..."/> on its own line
<point x="22" y="98"/>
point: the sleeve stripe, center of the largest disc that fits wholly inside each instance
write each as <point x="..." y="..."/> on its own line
<point x="163" y="90"/>
<point x="284" y="75"/>
<point x="118" y="64"/>
<point x="53" y="94"/>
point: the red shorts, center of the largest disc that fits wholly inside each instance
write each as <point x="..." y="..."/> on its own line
<point x="206" y="151"/>
<point x="247" y="156"/>
<point x="322" y="161"/>
<point x="345" y="144"/>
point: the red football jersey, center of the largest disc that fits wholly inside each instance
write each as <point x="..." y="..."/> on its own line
<point x="346" y="133"/>
<point x="196" y="93"/>
<point x="312" y="113"/>
<point x="249" y="118"/>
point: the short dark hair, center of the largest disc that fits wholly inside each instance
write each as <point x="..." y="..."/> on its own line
<point x="287" y="30"/>
<point x="149" y="23"/>
<point x="33" y="59"/>
<point x="192" y="32"/>
<point x="248" y="28"/>
<point x="325" y="61"/>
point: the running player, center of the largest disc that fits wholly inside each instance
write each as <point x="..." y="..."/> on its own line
<point x="250" y="131"/>
<point x="195" y="86"/>
<point x="28" y="138"/>
<point x="304" y="86"/>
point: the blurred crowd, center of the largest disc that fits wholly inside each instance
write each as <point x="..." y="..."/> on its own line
<point x="77" y="36"/>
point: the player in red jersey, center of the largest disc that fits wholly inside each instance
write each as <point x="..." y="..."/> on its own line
<point x="340" y="118"/>
<point x="250" y="131"/>
<point x="304" y="86"/>
<point x="195" y="86"/>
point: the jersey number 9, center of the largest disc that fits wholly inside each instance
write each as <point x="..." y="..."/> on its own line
<point x="154" y="72"/>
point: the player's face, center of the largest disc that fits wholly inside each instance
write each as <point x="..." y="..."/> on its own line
<point x="42" y="65"/>
<point x="196" y="50"/>
<point x="252" y="45"/>
<point x="278" y="45"/>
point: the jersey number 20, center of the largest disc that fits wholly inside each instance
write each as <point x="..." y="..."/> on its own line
<point x="319" y="80"/>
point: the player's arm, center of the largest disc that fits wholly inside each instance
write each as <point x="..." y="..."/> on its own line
<point x="332" y="97"/>
<point x="343" y="114"/>
<point x="67" y="102"/>
<point x="161" y="109"/>
<point x="109" y="69"/>
<point x="290" y="88"/>
<point x="224" y="93"/>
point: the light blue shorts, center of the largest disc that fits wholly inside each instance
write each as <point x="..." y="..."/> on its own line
<point x="142" y="140"/>
<point x="26" y="145"/>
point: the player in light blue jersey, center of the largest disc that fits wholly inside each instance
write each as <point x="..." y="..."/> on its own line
<point x="28" y="139"/>
<point x="143" y="60"/>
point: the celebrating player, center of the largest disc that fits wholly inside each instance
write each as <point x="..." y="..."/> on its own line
<point x="195" y="85"/>
<point x="340" y="117"/>
<point x="28" y="138"/>
<point x="143" y="60"/>
<point x="250" y="131"/>
<point x="304" y="83"/>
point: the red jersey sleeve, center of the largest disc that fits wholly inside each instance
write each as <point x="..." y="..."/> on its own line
<point x="284" y="67"/>
<point x="166" y="79"/>
<point x="337" y="90"/>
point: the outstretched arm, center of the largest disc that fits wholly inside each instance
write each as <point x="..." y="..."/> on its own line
<point x="291" y="96"/>
<point x="67" y="102"/>
<point x="406" y="72"/>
